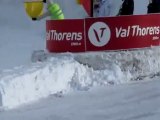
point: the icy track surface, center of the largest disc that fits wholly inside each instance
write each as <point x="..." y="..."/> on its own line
<point x="69" y="72"/>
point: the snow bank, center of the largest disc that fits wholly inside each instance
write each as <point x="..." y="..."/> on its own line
<point x="136" y="63"/>
<point x="64" y="72"/>
<point x="24" y="85"/>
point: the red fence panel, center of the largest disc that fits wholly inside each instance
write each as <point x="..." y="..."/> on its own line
<point x="65" y="35"/>
<point x="123" y="32"/>
<point x="99" y="34"/>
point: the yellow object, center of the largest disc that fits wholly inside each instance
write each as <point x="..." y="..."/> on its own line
<point x="34" y="9"/>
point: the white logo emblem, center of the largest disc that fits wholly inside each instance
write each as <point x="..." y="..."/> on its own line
<point x="99" y="34"/>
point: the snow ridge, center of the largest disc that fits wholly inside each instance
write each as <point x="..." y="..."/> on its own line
<point x="66" y="72"/>
<point x="53" y="76"/>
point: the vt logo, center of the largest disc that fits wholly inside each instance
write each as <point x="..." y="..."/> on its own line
<point x="99" y="34"/>
<point x="102" y="33"/>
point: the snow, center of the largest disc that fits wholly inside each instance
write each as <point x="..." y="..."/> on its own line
<point x="136" y="101"/>
<point x="51" y="77"/>
<point x="99" y="85"/>
<point x="65" y="72"/>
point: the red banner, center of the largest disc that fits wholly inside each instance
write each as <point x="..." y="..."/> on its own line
<point x="99" y="34"/>
<point x="123" y="32"/>
<point x="65" y="35"/>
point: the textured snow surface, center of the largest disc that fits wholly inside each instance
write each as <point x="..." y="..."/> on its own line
<point x="62" y="73"/>
<point x="136" y="101"/>
<point x="22" y="82"/>
<point x="23" y="85"/>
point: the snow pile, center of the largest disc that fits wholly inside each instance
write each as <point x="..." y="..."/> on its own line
<point x="56" y="75"/>
<point x="65" y="72"/>
<point x="134" y="63"/>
